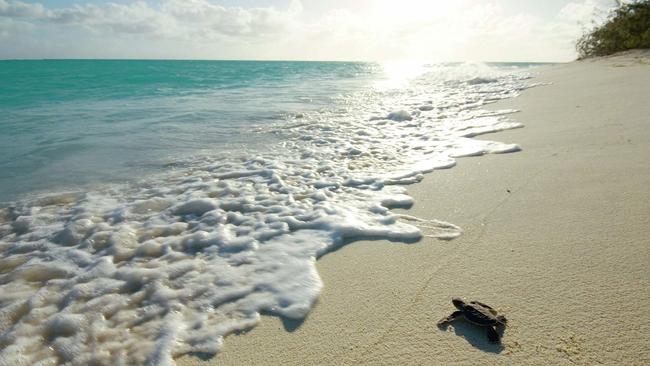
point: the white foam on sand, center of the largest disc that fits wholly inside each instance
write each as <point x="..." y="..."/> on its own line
<point x="140" y="274"/>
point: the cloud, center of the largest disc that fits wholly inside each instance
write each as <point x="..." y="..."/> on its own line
<point x="174" y="18"/>
<point x="231" y="21"/>
<point x="9" y="26"/>
<point x="380" y="29"/>
<point x="585" y="12"/>
<point x="137" y="18"/>
<point x="19" y="9"/>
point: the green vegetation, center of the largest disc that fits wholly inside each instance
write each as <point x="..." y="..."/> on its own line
<point x="627" y="27"/>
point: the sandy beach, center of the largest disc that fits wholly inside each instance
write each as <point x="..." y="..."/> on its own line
<point x="555" y="237"/>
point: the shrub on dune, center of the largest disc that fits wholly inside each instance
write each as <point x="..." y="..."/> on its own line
<point x="627" y="27"/>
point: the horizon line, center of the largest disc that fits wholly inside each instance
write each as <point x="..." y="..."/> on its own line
<point x="270" y="60"/>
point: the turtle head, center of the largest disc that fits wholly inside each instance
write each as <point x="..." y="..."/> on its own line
<point x="458" y="303"/>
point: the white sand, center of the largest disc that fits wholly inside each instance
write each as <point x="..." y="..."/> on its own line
<point x="565" y="255"/>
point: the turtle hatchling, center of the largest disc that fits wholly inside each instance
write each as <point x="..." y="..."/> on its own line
<point x="477" y="313"/>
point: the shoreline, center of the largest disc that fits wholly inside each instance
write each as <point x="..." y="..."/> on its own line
<point x="554" y="237"/>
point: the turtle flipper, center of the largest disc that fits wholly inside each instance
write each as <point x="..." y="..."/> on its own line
<point x="493" y="335"/>
<point x="502" y="319"/>
<point x="491" y="309"/>
<point x="455" y="315"/>
<point x="482" y="304"/>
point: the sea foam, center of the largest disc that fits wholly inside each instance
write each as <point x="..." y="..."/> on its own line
<point x="143" y="273"/>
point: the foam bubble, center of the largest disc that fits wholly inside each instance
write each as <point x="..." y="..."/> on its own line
<point x="400" y="116"/>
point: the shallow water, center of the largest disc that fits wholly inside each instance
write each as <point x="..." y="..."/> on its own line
<point x="158" y="206"/>
<point x="70" y="123"/>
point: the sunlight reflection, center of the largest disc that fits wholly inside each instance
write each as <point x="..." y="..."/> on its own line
<point x="399" y="73"/>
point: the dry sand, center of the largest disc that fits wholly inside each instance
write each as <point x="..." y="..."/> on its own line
<point x="555" y="236"/>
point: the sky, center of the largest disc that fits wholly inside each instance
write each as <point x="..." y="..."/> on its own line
<point x="349" y="30"/>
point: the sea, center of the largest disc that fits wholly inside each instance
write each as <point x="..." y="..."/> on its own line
<point x="150" y="208"/>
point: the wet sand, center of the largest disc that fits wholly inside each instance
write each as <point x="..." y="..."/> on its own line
<point x="555" y="236"/>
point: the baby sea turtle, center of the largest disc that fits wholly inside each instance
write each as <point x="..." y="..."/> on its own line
<point x="477" y="313"/>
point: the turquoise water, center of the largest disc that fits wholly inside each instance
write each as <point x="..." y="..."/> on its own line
<point x="71" y="123"/>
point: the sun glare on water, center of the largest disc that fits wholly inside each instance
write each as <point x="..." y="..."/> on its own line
<point x="398" y="73"/>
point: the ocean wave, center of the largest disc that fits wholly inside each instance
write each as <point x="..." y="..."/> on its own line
<point x="145" y="272"/>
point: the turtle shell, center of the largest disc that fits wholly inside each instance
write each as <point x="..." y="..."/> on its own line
<point x="478" y="314"/>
